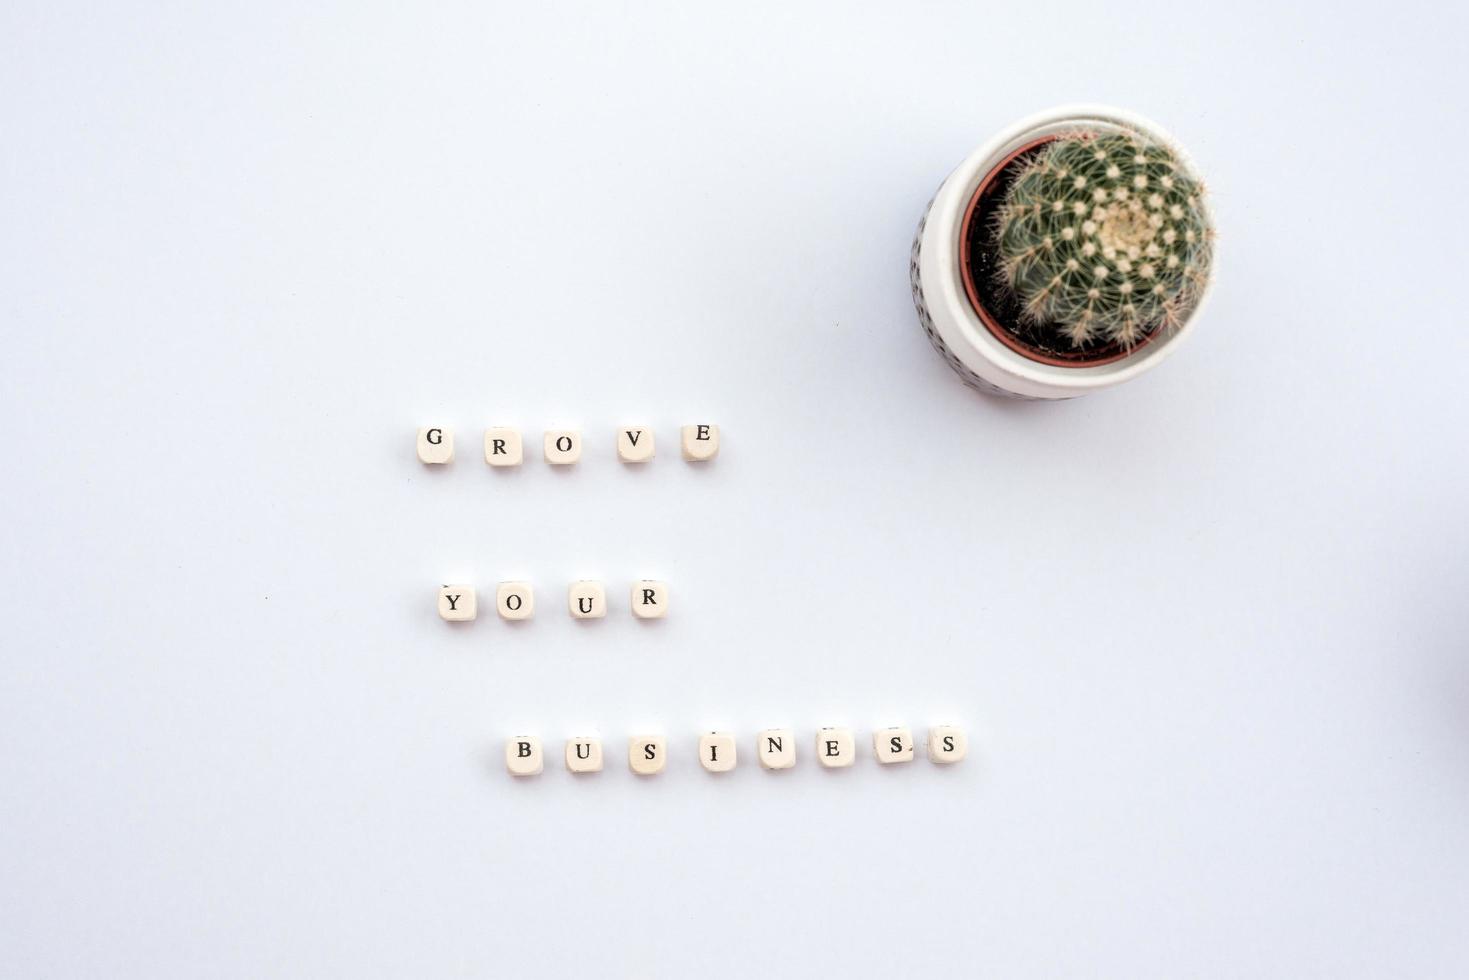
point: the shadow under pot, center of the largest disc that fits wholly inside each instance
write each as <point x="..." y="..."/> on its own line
<point x="1070" y="253"/>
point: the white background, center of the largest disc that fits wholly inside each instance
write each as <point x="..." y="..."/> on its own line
<point x="1208" y="631"/>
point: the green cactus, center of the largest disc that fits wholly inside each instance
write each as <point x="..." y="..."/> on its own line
<point x="1104" y="238"/>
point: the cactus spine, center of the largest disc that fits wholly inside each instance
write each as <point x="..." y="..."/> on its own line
<point x="1103" y="237"/>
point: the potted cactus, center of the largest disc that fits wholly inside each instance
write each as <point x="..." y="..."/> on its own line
<point x="1069" y="254"/>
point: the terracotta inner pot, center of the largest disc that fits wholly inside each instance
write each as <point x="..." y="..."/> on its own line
<point x="996" y="308"/>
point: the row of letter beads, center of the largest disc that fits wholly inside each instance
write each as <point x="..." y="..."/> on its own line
<point x="775" y="748"/>
<point x="562" y="447"/>
<point x="584" y="600"/>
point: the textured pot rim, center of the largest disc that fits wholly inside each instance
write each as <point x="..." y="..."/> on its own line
<point x="954" y="316"/>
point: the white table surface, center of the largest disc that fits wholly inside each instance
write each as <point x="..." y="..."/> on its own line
<point x="1208" y="631"/>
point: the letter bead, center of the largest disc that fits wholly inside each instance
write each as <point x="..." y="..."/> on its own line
<point x="947" y="744"/>
<point x="503" y="447"/>
<point x="515" y="600"/>
<point x="584" y="755"/>
<point x="562" y="446"/>
<point x="700" y="442"/>
<point x="435" y="446"/>
<point x="776" y="748"/>
<point x="457" y="603"/>
<point x="646" y="754"/>
<point x="587" y="600"/>
<point x="523" y="756"/>
<point x="835" y="747"/>
<point x="717" y="751"/>
<point x="892" y="745"/>
<point x="634" y="444"/>
<point x="649" y="599"/>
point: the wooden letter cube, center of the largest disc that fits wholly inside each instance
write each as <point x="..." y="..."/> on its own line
<point x="584" y="754"/>
<point x="835" y="748"/>
<point x="717" y="751"/>
<point x="649" y="599"/>
<point x="587" y="600"/>
<point x="435" y="446"/>
<point x="646" y="754"/>
<point x="515" y="600"/>
<point x="503" y="447"/>
<point x="892" y="745"/>
<point x="700" y="442"/>
<point x="457" y="603"/>
<point x="776" y="748"/>
<point x="523" y="756"/>
<point x="946" y="744"/>
<point x="563" y="447"/>
<point x="634" y="444"/>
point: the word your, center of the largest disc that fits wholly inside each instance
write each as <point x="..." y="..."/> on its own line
<point x="647" y="755"/>
<point x="562" y="447"/>
<point x="584" y="600"/>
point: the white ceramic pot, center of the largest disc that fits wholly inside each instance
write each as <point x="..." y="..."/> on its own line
<point x="944" y="306"/>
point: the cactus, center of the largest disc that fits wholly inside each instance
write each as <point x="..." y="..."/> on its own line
<point x="1103" y="238"/>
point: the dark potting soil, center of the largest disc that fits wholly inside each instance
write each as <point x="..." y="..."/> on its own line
<point x="1001" y="303"/>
